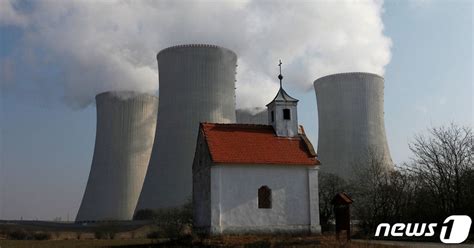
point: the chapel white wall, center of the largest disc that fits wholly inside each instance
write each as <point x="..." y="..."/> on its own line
<point x="234" y="200"/>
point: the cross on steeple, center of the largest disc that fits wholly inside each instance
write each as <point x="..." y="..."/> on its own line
<point x="280" y="76"/>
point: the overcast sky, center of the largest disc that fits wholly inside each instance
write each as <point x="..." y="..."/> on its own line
<point x="56" y="55"/>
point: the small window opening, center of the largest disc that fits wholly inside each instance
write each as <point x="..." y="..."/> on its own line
<point x="264" y="197"/>
<point x="286" y="114"/>
<point x="273" y="116"/>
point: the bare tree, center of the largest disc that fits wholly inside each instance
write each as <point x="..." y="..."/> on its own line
<point x="438" y="182"/>
<point x="443" y="161"/>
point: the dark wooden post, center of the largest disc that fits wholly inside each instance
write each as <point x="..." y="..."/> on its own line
<point x="342" y="212"/>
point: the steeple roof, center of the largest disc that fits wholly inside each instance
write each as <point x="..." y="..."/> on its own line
<point x="282" y="96"/>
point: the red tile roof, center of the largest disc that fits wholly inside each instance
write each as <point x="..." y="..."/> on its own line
<point x="255" y="144"/>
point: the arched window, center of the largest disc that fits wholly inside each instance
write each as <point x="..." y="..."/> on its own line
<point x="286" y="114"/>
<point x="264" y="197"/>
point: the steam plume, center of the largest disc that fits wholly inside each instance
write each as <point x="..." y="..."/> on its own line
<point x="76" y="49"/>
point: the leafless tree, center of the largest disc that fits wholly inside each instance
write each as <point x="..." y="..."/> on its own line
<point x="439" y="181"/>
<point x="443" y="162"/>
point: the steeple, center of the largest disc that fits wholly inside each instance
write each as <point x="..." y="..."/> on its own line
<point x="282" y="112"/>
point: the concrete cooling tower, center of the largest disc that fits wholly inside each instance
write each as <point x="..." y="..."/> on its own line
<point x="351" y="122"/>
<point x="252" y="116"/>
<point x="197" y="84"/>
<point x="126" y="124"/>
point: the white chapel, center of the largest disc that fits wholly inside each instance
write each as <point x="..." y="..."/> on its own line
<point x="251" y="178"/>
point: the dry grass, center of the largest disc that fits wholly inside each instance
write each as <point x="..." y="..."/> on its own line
<point x="244" y="241"/>
<point x="71" y="243"/>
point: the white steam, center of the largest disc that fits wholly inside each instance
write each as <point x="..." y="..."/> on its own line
<point x="84" y="48"/>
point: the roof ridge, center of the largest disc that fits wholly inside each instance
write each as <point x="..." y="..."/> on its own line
<point x="237" y="124"/>
<point x="307" y="142"/>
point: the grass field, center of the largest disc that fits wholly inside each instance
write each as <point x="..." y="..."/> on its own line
<point x="244" y="241"/>
<point x="132" y="234"/>
<point x="72" y="243"/>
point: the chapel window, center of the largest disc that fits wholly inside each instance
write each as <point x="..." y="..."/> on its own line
<point x="264" y="197"/>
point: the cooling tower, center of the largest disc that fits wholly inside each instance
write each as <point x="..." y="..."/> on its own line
<point x="126" y="124"/>
<point x="351" y="122"/>
<point x="197" y="84"/>
<point x="252" y="116"/>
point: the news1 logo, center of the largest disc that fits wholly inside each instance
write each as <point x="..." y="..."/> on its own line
<point x="454" y="230"/>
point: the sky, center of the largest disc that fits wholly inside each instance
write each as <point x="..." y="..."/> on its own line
<point x="56" y="55"/>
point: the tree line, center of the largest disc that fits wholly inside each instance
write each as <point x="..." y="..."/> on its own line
<point x="437" y="181"/>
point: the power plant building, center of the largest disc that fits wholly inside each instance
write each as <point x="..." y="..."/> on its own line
<point x="351" y="122"/>
<point x="197" y="84"/>
<point x="144" y="151"/>
<point x="126" y="124"/>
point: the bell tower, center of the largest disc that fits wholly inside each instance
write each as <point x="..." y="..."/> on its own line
<point x="282" y="112"/>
